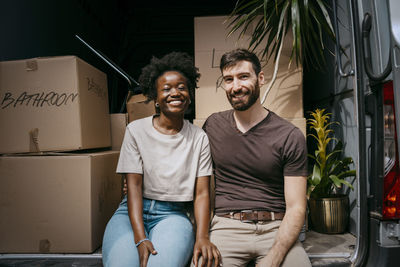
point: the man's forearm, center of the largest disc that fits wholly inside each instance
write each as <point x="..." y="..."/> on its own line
<point x="287" y="235"/>
<point x="288" y="232"/>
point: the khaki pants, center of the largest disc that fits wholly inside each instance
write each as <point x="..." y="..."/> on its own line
<point x="241" y="242"/>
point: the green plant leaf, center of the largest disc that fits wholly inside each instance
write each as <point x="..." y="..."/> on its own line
<point x="265" y="11"/>
<point x="311" y="156"/>
<point x="349" y="173"/>
<point x="316" y="175"/>
<point x="336" y="181"/>
<point x="348" y="184"/>
<point x="325" y="12"/>
<point x="296" y="31"/>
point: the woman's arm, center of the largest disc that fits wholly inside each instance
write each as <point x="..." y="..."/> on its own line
<point x="135" y="211"/>
<point x="203" y="247"/>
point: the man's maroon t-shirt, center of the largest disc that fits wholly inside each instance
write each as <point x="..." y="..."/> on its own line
<point x="249" y="168"/>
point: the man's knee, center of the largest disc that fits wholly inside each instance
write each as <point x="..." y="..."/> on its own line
<point x="296" y="256"/>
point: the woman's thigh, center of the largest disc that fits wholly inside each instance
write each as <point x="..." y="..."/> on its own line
<point x="173" y="239"/>
<point x="118" y="241"/>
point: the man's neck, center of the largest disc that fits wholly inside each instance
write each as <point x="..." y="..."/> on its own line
<point x="245" y="120"/>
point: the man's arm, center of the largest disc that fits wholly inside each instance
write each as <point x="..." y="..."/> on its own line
<point x="288" y="233"/>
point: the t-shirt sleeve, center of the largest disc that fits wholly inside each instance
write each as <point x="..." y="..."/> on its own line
<point x="295" y="154"/>
<point x="205" y="125"/>
<point x="205" y="163"/>
<point x="130" y="160"/>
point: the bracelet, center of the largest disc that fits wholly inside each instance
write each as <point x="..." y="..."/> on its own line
<point x="141" y="241"/>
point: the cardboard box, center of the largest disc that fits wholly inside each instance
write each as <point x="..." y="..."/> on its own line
<point x="57" y="204"/>
<point x="199" y="122"/>
<point x="138" y="107"/>
<point x="118" y="126"/>
<point x="285" y="97"/>
<point x="63" y="100"/>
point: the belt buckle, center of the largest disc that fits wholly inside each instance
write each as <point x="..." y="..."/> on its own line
<point x="242" y="212"/>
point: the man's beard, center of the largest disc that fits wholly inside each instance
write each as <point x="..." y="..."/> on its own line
<point x="252" y="98"/>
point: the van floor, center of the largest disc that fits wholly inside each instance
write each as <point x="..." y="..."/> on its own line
<point x="323" y="250"/>
<point x="329" y="250"/>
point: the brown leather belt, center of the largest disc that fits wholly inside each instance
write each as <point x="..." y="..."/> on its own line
<point x="254" y="215"/>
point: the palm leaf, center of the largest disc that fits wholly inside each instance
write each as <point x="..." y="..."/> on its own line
<point x="308" y="19"/>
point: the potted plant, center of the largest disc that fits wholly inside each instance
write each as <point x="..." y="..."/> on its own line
<point x="329" y="210"/>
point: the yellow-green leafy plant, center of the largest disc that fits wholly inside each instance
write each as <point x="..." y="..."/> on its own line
<point x="330" y="169"/>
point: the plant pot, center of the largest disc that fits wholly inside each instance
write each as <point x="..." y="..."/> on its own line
<point x="329" y="215"/>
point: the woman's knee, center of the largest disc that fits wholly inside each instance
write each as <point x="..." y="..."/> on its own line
<point x="175" y="229"/>
<point x="118" y="243"/>
<point x="173" y="239"/>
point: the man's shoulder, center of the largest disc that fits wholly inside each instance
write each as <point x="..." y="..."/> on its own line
<point x="221" y="115"/>
<point x="282" y="125"/>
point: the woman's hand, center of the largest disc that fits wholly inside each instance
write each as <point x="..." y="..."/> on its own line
<point x="145" y="249"/>
<point x="208" y="252"/>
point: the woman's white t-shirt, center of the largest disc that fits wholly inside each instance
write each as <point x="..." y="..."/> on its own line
<point x="170" y="164"/>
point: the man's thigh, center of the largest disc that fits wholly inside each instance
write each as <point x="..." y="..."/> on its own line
<point x="234" y="239"/>
<point x="297" y="256"/>
<point x="267" y="231"/>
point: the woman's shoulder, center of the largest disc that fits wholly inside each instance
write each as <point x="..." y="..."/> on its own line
<point x="140" y="126"/>
<point x="140" y="123"/>
<point x="196" y="130"/>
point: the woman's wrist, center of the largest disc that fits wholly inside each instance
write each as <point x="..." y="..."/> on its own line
<point x="141" y="241"/>
<point x="198" y="237"/>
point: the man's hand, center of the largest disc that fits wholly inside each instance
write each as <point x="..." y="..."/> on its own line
<point x="145" y="249"/>
<point x="208" y="252"/>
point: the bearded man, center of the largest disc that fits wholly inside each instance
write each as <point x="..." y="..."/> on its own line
<point x="260" y="169"/>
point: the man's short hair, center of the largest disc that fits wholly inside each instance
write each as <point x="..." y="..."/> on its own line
<point x="231" y="58"/>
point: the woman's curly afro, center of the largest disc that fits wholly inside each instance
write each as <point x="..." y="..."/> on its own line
<point x="174" y="61"/>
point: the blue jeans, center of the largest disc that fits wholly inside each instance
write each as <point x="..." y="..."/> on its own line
<point x="166" y="225"/>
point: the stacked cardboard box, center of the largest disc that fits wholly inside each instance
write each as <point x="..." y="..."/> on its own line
<point x="57" y="203"/>
<point x="52" y="201"/>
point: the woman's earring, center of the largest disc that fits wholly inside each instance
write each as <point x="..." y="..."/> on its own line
<point x="157" y="105"/>
<point x="190" y="101"/>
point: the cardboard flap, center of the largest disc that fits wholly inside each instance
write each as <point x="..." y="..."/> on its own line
<point x="139" y="107"/>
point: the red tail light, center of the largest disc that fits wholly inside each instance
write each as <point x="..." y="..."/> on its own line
<point x="391" y="193"/>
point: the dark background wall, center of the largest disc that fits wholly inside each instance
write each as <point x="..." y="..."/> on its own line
<point x="128" y="32"/>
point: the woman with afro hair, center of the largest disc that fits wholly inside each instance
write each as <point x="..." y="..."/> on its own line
<point x="168" y="166"/>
